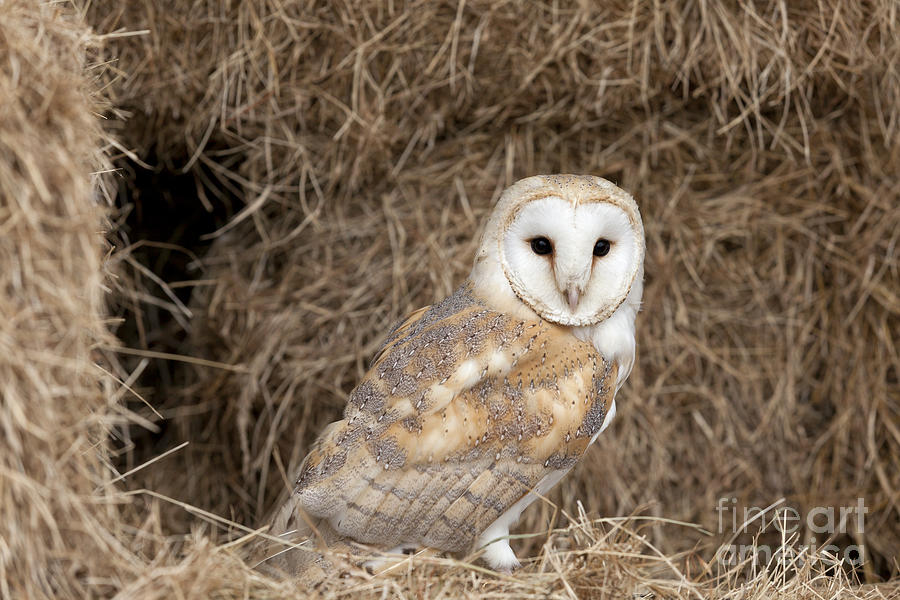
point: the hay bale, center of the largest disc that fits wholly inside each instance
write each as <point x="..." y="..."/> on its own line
<point x="367" y="144"/>
<point x="54" y="515"/>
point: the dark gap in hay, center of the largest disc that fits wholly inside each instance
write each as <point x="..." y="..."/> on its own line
<point x="160" y="240"/>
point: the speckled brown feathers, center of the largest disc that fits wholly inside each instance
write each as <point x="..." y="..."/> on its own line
<point x="463" y="412"/>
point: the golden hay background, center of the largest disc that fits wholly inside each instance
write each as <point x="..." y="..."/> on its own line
<point x="306" y="174"/>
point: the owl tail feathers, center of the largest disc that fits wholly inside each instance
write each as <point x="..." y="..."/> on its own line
<point x="306" y="552"/>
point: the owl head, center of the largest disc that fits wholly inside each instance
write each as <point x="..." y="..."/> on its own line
<point x="569" y="247"/>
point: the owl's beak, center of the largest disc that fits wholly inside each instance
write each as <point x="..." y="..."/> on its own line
<point x="573" y="294"/>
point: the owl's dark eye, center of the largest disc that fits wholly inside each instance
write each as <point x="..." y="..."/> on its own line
<point x="541" y="246"/>
<point x="601" y="248"/>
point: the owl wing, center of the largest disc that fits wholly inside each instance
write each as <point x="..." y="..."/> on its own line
<point x="463" y="413"/>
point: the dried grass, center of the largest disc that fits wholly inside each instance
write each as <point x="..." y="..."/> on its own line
<point x="53" y="412"/>
<point x="357" y="147"/>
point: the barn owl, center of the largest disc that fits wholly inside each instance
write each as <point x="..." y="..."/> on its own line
<point x="479" y="404"/>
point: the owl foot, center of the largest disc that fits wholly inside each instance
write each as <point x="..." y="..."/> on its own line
<point x="500" y="557"/>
